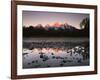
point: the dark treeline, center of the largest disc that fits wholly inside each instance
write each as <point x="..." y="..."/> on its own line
<point x="40" y="31"/>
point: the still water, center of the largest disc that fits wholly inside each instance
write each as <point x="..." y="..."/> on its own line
<point x="55" y="52"/>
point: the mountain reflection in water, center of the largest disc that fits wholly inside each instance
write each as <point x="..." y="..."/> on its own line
<point x="55" y="57"/>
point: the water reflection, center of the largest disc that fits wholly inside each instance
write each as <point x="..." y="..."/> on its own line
<point x="55" y="57"/>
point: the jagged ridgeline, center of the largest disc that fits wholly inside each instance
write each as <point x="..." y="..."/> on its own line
<point x="64" y="30"/>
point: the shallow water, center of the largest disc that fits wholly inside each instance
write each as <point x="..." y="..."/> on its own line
<point x="55" y="52"/>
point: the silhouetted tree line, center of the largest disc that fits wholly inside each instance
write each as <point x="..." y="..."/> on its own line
<point x="40" y="31"/>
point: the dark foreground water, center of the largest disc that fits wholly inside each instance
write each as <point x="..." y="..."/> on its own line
<point x="55" y="52"/>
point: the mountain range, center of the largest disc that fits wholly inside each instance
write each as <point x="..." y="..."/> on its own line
<point x="56" y="26"/>
<point x="55" y="30"/>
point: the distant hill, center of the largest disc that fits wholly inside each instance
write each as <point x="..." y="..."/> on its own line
<point x="55" y="30"/>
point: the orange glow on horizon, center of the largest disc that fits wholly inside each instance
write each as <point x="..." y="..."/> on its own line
<point x="57" y="24"/>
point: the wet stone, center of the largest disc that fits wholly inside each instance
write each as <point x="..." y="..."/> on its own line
<point x="52" y="53"/>
<point x="61" y="64"/>
<point x="48" y="66"/>
<point x="41" y="56"/>
<point x="29" y="63"/>
<point x="79" y="61"/>
<point x="33" y="61"/>
<point x="53" y="57"/>
<point x="64" y="61"/>
<point x="25" y="54"/>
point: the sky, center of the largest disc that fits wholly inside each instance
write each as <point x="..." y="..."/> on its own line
<point x="40" y="17"/>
